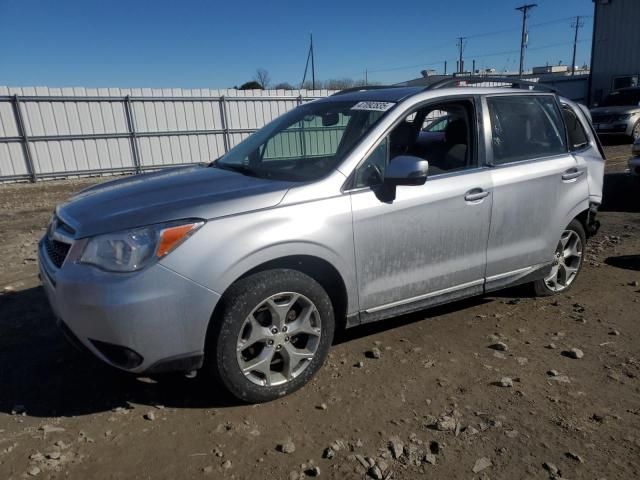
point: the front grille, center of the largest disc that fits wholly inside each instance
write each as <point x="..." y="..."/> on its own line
<point x="601" y="118"/>
<point x="57" y="251"/>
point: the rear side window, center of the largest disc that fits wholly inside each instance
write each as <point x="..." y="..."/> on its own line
<point x="575" y="131"/>
<point x="525" y="127"/>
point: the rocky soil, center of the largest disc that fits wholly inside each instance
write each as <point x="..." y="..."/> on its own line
<point x="503" y="386"/>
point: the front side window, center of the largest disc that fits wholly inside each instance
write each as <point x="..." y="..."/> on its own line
<point x="447" y="148"/>
<point x="525" y="127"/>
<point x="625" y="81"/>
<point x="306" y="143"/>
<point x="623" y="98"/>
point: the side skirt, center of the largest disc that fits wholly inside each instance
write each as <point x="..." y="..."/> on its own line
<point x="517" y="277"/>
<point x="497" y="282"/>
<point x="421" y="303"/>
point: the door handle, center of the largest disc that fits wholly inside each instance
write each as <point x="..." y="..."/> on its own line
<point x="571" y="174"/>
<point x="475" y="194"/>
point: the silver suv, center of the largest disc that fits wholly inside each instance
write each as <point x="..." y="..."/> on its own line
<point x="338" y="213"/>
<point x="619" y="114"/>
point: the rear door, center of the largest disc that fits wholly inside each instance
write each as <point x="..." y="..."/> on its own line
<point x="537" y="184"/>
<point x="584" y="146"/>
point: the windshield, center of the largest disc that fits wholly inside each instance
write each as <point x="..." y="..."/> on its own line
<point x="623" y="98"/>
<point x="306" y="143"/>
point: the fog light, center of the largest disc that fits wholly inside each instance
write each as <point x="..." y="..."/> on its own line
<point x="120" y="356"/>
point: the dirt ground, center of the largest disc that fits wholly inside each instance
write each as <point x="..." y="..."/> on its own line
<point x="430" y="407"/>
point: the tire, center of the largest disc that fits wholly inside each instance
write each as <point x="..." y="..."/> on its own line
<point x="256" y="328"/>
<point x="635" y="133"/>
<point x="568" y="261"/>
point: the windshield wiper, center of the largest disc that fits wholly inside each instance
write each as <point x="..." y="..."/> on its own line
<point x="243" y="169"/>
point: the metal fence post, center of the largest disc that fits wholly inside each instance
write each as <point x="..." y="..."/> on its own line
<point x="225" y="124"/>
<point x="22" y="132"/>
<point x="303" y="140"/>
<point x="132" y="133"/>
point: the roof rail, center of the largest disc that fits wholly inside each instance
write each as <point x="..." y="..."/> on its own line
<point x="364" y="88"/>
<point x="515" y="83"/>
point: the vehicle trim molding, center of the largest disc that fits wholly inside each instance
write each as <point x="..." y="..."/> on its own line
<point x="437" y="293"/>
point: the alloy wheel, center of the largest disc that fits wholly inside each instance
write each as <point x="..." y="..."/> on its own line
<point x="567" y="261"/>
<point x="278" y="339"/>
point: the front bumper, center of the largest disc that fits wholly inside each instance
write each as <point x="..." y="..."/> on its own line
<point x="159" y="315"/>
<point x="616" y="128"/>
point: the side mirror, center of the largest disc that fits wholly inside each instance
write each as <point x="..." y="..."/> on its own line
<point x="402" y="170"/>
<point x="406" y="170"/>
<point x="330" y="119"/>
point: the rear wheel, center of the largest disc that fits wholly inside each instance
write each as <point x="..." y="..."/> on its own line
<point x="273" y="335"/>
<point x="567" y="262"/>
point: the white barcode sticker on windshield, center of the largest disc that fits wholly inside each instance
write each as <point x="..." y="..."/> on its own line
<point x="375" y="106"/>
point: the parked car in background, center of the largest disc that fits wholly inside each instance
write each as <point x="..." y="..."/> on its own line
<point x="634" y="161"/>
<point x="619" y="114"/>
<point x="333" y="215"/>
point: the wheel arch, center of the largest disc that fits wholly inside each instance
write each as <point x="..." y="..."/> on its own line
<point x="579" y="212"/>
<point x="320" y="269"/>
<point x="317" y="268"/>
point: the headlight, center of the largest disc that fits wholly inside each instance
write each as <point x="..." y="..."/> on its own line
<point x="132" y="250"/>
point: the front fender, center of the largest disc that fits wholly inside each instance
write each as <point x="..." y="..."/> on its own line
<point x="225" y="249"/>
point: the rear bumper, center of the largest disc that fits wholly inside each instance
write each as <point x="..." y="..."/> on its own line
<point x="593" y="225"/>
<point x="148" y="321"/>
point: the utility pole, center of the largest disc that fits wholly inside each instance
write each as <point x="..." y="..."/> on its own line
<point x="310" y="57"/>
<point x="523" y="40"/>
<point x="445" y="67"/>
<point x="366" y="77"/>
<point x="313" y="65"/>
<point x="460" y="48"/>
<point x="577" y="26"/>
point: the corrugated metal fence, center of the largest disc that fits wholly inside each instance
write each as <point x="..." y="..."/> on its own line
<point x="56" y="133"/>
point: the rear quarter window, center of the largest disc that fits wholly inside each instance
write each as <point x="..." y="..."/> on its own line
<point x="576" y="133"/>
<point x="525" y="127"/>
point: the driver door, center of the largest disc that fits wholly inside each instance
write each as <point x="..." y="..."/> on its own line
<point x="429" y="244"/>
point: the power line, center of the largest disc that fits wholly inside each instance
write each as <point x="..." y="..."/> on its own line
<point x="480" y="35"/>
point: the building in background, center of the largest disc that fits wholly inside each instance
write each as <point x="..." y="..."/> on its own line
<point x="615" y="52"/>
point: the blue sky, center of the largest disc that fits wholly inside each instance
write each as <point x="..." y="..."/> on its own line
<point x="218" y="44"/>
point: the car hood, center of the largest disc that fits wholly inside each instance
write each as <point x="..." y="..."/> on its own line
<point x="614" y="110"/>
<point x="173" y="194"/>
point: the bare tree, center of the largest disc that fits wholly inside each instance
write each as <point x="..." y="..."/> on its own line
<point x="335" y="84"/>
<point x="307" y="85"/>
<point x="283" y="86"/>
<point x="262" y="77"/>
<point x="338" y="83"/>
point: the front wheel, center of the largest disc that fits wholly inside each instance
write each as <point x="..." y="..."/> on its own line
<point x="567" y="262"/>
<point x="272" y="336"/>
<point x="635" y="134"/>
